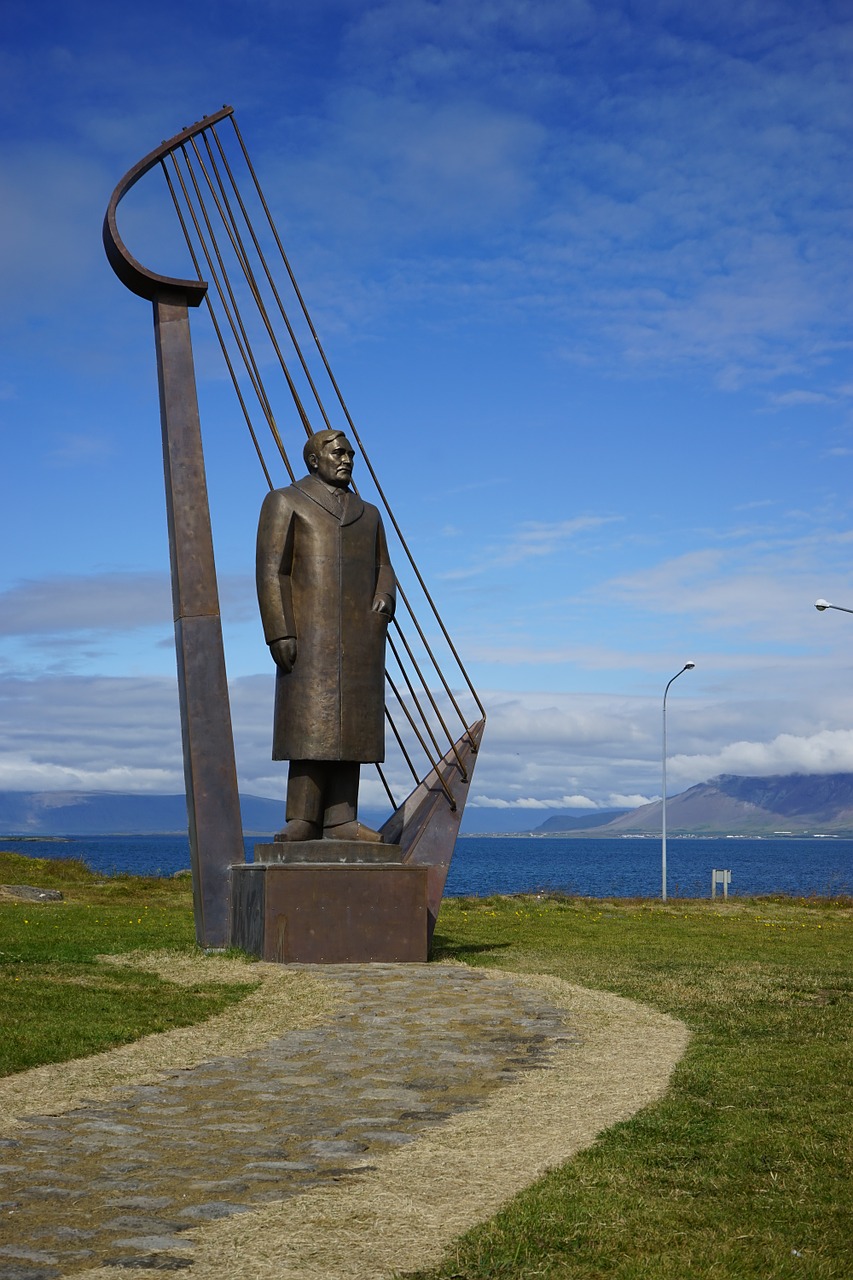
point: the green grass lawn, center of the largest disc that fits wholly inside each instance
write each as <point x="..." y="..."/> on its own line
<point x="57" y="1000"/>
<point x="742" y="1171"/>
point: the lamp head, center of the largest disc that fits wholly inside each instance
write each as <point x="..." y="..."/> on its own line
<point x="820" y="605"/>
<point x="688" y="666"/>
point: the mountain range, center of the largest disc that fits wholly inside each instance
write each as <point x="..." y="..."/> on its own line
<point x="787" y="804"/>
<point x="581" y="820"/>
<point x="94" y="813"/>
<point x="793" y="804"/>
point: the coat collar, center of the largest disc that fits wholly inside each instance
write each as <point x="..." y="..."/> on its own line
<point x="314" y="489"/>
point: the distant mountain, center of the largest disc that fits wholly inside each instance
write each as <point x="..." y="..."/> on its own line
<point x="727" y="805"/>
<point x="92" y="813"/>
<point x="108" y="813"/>
<point x="794" y="804"/>
<point x="482" y="820"/>
<point x="585" y="820"/>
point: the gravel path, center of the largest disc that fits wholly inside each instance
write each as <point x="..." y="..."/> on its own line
<point x="303" y="1154"/>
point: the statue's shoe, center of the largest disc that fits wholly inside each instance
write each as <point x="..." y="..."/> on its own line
<point x="352" y="831"/>
<point x="297" y="829"/>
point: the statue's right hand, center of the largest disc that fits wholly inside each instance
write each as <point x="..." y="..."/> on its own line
<point x="284" y="653"/>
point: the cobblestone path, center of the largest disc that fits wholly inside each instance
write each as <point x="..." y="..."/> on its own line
<point x="121" y="1182"/>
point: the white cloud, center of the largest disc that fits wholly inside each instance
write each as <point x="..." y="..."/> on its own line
<point x="487" y="157"/>
<point x="600" y="201"/>
<point x="762" y="585"/>
<point x="757" y="504"/>
<point x="617" y="801"/>
<point x="72" y="732"/>
<point x="539" y="538"/>
<point x="787" y="399"/>
<point x="828" y="751"/>
<point x="111" y="601"/>
<point x="531" y="540"/>
<point x="43" y="256"/>
<point x="20" y="773"/>
<point x="116" y="602"/>
<point x="586" y="657"/>
<point x="396" y="169"/>
<point x="541" y="751"/>
<point x="528" y="802"/>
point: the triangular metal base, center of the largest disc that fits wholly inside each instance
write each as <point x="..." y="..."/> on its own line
<point x="425" y="825"/>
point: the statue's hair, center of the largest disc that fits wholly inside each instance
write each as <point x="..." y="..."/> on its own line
<point x="316" y="443"/>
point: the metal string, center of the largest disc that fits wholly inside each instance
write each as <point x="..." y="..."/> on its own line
<point x="352" y="425"/>
<point x="296" y="346"/>
<point x="416" y="702"/>
<point x="234" y="304"/>
<point x="441" y="675"/>
<point x="432" y="700"/>
<point x="219" y="334"/>
<point x="228" y="217"/>
<point x="402" y="745"/>
<point x="388" y="791"/>
<point x="237" y="245"/>
<point x="257" y="379"/>
<point x="433" y="763"/>
<point x="245" y="351"/>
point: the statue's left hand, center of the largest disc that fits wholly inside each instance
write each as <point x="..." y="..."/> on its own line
<point x="381" y="605"/>
<point x="284" y="653"/>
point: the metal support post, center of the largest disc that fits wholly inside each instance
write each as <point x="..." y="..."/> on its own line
<point x="213" y="804"/>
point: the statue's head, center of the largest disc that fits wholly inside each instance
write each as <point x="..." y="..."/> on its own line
<point x="329" y="455"/>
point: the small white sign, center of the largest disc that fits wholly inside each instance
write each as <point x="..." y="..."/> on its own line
<point x="723" y="878"/>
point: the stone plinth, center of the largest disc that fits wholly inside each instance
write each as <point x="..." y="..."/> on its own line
<point x="330" y="902"/>
<point x="351" y="852"/>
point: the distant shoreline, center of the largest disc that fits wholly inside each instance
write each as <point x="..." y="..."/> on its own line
<point x="121" y="835"/>
<point x="39" y="839"/>
<point x="593" y="834"/>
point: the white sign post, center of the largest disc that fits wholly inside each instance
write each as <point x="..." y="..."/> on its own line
<point x="720" y="877"/>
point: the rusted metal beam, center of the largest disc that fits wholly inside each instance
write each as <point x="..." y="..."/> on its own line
<point x="213" y="804"/>
<point x="210" y="773"/>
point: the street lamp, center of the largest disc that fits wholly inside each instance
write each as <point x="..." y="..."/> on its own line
<point x="820" y="605"/>
<point x="688" y="666"/>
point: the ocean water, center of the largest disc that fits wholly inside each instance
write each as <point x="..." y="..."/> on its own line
<point x="516" y="864"/>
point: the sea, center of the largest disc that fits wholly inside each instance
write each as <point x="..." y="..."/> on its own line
<point x="485" y="865"/>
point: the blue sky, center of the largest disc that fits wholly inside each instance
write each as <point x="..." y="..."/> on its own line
<point x="584" y="273"/>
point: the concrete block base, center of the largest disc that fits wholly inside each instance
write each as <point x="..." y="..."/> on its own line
<point x="301" y="912"/>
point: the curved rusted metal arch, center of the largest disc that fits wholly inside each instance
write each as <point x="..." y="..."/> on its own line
<point x="138" y="279"/>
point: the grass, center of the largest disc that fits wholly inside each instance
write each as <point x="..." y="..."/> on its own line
<point x="744" y="1168"/>
<point x="58" y="1000"/>
<point x="741" y="1172"/>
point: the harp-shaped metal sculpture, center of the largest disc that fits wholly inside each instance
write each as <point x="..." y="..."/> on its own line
<point x="261" y="322"/>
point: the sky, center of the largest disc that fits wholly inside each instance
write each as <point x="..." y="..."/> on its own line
<point x="584" y="272"/>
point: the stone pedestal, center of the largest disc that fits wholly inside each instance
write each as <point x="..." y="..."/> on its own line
<point x="325" y="852"/>
<point x="330" y="902"/>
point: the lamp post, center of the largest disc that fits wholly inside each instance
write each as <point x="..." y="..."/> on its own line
<point x="688" y="666"/>
<point x="820" y="605"/>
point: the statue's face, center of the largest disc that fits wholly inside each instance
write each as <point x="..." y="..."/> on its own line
<point x="334" y="464"/>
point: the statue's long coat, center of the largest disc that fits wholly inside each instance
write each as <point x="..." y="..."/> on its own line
<point x="320" y="567"/>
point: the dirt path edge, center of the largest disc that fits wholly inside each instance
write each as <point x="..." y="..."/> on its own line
<point x="406" y="1213"/>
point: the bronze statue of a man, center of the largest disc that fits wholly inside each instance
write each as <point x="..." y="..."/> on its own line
<point x="326" y="592"/>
